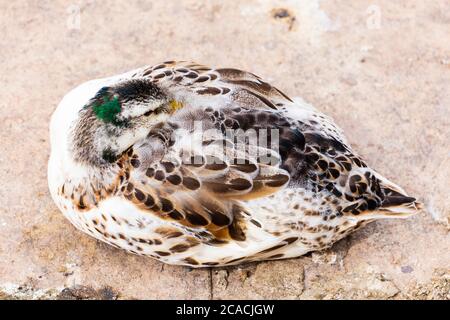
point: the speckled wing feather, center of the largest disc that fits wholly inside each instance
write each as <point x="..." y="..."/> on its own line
<point x="313" y="149"/>
<point x="198" y="188"/>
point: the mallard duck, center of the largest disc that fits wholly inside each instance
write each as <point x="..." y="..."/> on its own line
<point x="201" y="167"/>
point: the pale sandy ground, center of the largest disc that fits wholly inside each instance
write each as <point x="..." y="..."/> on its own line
<point x="386" y="81"/>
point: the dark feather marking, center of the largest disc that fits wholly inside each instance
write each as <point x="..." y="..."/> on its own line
<point x="175" y="234"/>
<point x="262" y="99"/>
<point x="166" y="205"/>
<point x="202" y="79"/>
<point x="135" y="163"/>
<point x="283" y="94"/>
<point x="236" y="260"/>
<point x="277" y="180"/>
<point x="162" y="253"/>
<point x="273" y="248"/>
<point x="209" y="90"/>
<point x="191" y="261"/>
<point x="291" y="240"/>
<point x="191" y="183"/>
<point x="174" y="179"/>
<point x="220" y="219"/>
<point x="139" y="195"/>
<point x="261" y="87"/>
<point x="150" y="202"/>
<point x="150" y="172"/>
<point x="236" y="228"/>
<point x="240" y="184"/>
<point x="176" y="215"/>
<point x="256" y="223"/>
<point x="179" y="248"/>
<point x="159" y="175"/>
<point x="196" y="219"/>
<point x="169" y="166"/>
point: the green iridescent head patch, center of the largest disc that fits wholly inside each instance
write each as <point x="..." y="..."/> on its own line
<point x="108" y="110"/>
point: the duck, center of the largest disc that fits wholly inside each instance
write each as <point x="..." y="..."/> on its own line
<point x="200" y="167"/>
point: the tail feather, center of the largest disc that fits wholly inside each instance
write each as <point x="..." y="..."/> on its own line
<point x="397" y="203"/>
<point x="394" y="198"/>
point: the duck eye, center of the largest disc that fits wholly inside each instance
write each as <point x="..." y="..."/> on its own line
<point x="149" y="112"/>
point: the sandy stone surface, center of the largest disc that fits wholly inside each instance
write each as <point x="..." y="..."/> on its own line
<point x="382" y="71"/>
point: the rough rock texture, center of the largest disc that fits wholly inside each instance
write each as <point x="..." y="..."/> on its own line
<point x="381" y="70"/>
